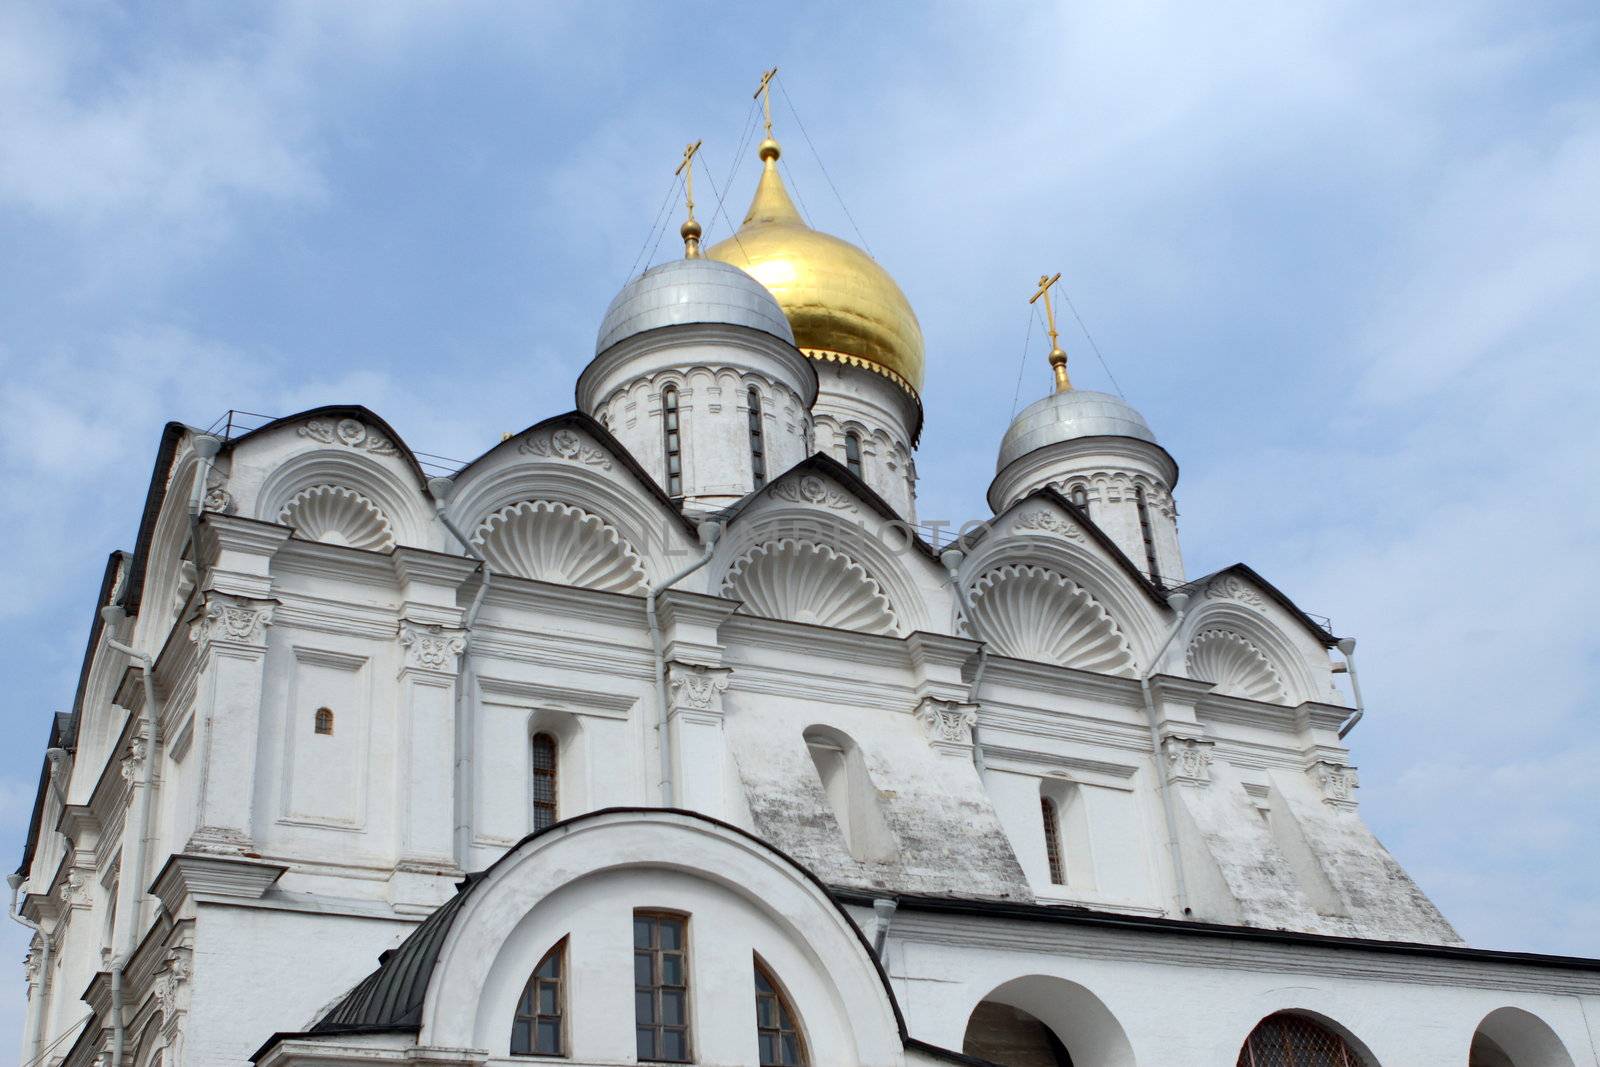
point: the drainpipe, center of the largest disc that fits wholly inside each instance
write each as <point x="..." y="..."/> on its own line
<point x="206" y="447"/>
<point x="1177" y="602"/>
<point x="883" y="910"/>
<point x="440" y="489"/>
<point x="952" y="559"/>
<point x="47" y="943"/>
<point x="113" y="616"/>
<point x="1347" y="649"/>
<point x="709" y="532"/>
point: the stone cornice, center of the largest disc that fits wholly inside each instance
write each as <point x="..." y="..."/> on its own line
<point x="187" y="876"/>
<point x="875" y="649"/>
<point x="585" y="701"/>
<point x="1068" y="681"/>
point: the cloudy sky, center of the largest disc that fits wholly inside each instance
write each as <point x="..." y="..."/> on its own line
<point x="1345" y="258"/>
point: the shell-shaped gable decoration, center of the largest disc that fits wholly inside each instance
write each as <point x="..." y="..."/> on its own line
<point x="1033" y="613"/>
<point x="806" y="582"/>
<point x="549" y="541"/>
<point x="1235" y="666"/>
<point x="335" y="515"/>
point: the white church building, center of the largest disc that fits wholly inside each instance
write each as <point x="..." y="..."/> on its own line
<point x="660" y="733"/>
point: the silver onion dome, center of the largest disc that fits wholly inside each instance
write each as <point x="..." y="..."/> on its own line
<point x="686" y="291"/>
<point x="1067" y="416"/>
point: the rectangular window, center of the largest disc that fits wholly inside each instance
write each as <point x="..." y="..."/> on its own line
<point x="661" y="987"/>
<point x="544" y="781"/>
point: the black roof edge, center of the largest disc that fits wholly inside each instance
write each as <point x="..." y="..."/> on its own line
<point x="155" y="496"/>
<point x="472" y="881"/>
<point x="591" y="426"/>
<point x="1156" y="593"/>
<point x="1326" y="638"/>
<point x="948" y="1055"/>
<point x="825" y="464"/>
<point x="65" y="734"/>
<point x="1051" y="913"/>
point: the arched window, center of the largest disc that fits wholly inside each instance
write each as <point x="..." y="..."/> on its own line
<point x="1052" y="841"/>
<point x="1148" y="534"/>
<point x="323" y="721"/>
<point x="1079" y="495"/>
<point x="852" y="453"/>
<point x="661" y="987"/>
<point x="1288" y="1040"/>
<point x="777" y="1033"/>
<point x="758" y="446"/>
<point x="671" y="442"/>
<point x="851" y="795"/>
<point x="538" y="1027"/>
<point x="545" y="767"/>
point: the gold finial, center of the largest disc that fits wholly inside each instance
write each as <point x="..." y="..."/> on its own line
<point x="690" y="230"/>
<point x="1058" y="358"/>
<point x="769" y="147"/>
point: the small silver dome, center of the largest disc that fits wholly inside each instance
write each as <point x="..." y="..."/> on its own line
<point x="691" y="290"/>
<point x="1067" y="416"/>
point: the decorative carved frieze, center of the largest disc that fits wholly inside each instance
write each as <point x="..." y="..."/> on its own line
<point x="696" y="687"/>
<point x="565" y="444"/>
<point x="1188" y="759"/>
<point x="1046" y="521"/>
<point x="431" y="648"/>
<point x="352" y="433"/>
<point x="947" y="723"/>
<point x="232" y="619"/>
<point x="1338" y="783"/>
<point x="1232" y="587"/>
<point x="809" y="489"/>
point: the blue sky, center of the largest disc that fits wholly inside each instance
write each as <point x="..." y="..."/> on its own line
<point x="1345" y="258"/>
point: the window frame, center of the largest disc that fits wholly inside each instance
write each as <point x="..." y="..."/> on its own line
<point x="558" y="952"/>
<point x="322" y="721"/>
<point x="785" y="1011"/>
<point x="852" y="455"/>
<point x="672" y="439"/>
<point x="1051" y="816"/>
<point x="758" y="439"/>
<point x="1147" y="531"/>
<point x="537" y="773"/>
<point x="655" y="916"/>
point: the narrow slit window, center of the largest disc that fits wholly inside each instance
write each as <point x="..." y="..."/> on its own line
<point x="852" y="453"/>
<point x="538" y="1028"/>
<point x="322" y="722"/>
<point x="1148" y="533"/>
<point x="758" y="445"/>
<point x="671" y="440"/>
<point x="777" y="1033"/>
<point x="1052" y="840"/>
<point x="661" y="987"/>
<point x="546" y="760"/>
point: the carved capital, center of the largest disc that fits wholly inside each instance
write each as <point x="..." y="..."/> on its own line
<point x="74" y="890"/>
<point x="133" y="762"/>
<point x="171" y="984"/>
<point x="696" y="687"/>
<point x="1338" y="783"/>
<point x="948" y="724"/>
<point x="1188" y="759"/>
<point x="431" y="648"/>
<point x="237" y="620"/>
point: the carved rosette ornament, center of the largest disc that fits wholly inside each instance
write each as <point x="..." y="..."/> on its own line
<point x="1043" y="521"/>
<point x="431" y="648"/>
<point x="809" y="489"/>
<point x="231" y="619"/>
<point x="1188" y="759"/>
<point x="948" y="724"/>
<point x="1232" y="587"/>
<point x="352" y="433"/>
<point x="1338" y="783"/>
<point x="696" y="687"/>
<point x="565" y="444"/>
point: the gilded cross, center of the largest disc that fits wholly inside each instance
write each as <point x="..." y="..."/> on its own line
<point x="764" y="92"/>
<point x="686" y="168"/>
<point x="1058" y="358"/>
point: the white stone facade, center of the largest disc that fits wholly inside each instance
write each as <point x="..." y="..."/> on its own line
<point x="346" y="703"/>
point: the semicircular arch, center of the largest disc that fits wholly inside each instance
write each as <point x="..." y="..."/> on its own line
<point x="1077" y="1017"/>
<point x="392" y="492"/>
<point x="1279" y="652"/>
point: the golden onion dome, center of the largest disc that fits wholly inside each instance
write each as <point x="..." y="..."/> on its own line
<point x="842" y="306"/>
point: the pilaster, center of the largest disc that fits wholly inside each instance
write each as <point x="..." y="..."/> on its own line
<point x="699" y="747"/>
<point x="231" y="634"/>
<point x="430" y="662"/>
<point x="937" y="663"/>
